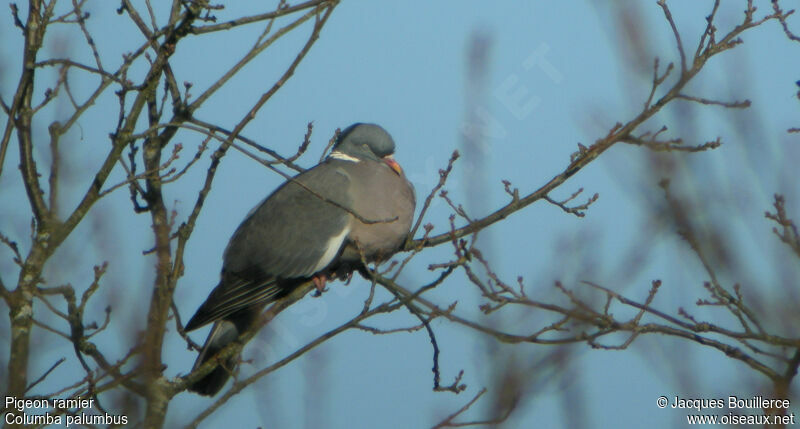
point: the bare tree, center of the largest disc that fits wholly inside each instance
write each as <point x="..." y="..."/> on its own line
<point x="154" y="106"/>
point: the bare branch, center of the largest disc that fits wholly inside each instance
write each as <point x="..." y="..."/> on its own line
<point x="731" y="105"/>
<point x="449" y="423"/>
<point x="443" y="175"/>
<point x="788" y="230"/>
<point x="578" y="210"/>
<point x="257" y="18"/>
<point x="782" y="19"/>
<point x="46" y="373"/>
<point x="668" y="15"/>
<point x="81" y="20"/>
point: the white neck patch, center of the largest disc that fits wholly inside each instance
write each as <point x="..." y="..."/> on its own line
<point x="343" y="156"/>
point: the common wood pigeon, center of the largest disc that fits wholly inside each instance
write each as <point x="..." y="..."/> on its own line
<point x="316" y="226"/>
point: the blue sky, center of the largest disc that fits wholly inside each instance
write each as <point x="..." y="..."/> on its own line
<point x="557" y="74"/>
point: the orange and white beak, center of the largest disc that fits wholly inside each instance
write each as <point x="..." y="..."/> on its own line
<point x="389" y="160"/>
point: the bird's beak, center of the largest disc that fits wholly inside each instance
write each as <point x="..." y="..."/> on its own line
<point x="389" y="160"/>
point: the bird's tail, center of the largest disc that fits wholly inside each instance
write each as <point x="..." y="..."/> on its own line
<point x="223" y="332"/>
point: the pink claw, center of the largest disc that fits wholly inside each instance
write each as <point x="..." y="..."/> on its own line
<point x="319" y="282"/>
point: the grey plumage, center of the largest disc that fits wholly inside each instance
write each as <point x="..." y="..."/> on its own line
<point x="356" y="202"/>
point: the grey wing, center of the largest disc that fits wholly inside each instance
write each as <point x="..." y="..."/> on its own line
<point x="293" y="234"/>
<point x="231" y="295"/>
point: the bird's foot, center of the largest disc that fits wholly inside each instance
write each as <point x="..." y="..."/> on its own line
<point x="319" y="283"/>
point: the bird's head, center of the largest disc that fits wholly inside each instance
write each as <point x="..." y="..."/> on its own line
<point x="366" y="141"/>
